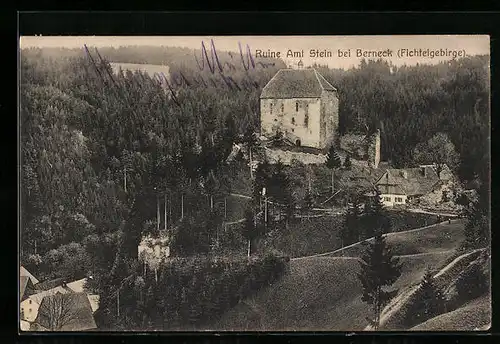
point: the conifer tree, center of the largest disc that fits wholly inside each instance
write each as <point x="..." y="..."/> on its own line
<point x="376" y="218"/>
<point x="477" y="228"/>
<point x="379" y="270"/>
<point x="333" y="162"/>
<point x="428" y="302"/>
<point x="350" y="231"/>
<point x="347" y="162"/>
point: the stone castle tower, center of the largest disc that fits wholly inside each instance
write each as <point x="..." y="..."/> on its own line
<point x="301" y="105"/>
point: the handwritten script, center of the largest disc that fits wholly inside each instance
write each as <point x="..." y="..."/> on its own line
<point x="219" y="73"/>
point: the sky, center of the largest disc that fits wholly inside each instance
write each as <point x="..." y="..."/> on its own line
<point x="465" y="44"/>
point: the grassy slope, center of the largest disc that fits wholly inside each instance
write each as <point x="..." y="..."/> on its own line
<point x="469" y="317"/>
<point x="323" y="293"/>
<point x="439" y="238"/>
<point x="307" y="237"/>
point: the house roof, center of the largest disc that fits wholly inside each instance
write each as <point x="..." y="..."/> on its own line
<point x="94" y="302"/>
<point x="50" y="284"/>
<point x="296" y="83"/>
<point x="410" y="181"/>
<point x="38" y="297"/>
<point x="25" y="287"/>
<point x="391" y="190"/>
<point x="24" y="272"/>
<point x="77" y="286"/>
<point x="75" y="313"/>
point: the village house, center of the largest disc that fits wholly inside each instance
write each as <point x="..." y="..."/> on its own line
<point x="407" y="185"/>
<point x="31" y="304"/>
<point x="33" y="293"/>
<point x="65" y="312"/>
<point x="301" y="105"/>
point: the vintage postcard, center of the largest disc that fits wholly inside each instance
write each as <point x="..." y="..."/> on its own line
<point x="254" y="183"/>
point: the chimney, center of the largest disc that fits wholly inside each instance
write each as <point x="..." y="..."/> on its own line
<point x="424" y="171"/>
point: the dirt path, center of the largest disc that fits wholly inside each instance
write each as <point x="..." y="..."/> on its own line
<point x="385" y="235"/>
<point x="422" y="211"/>
<point x="399" y="301"/>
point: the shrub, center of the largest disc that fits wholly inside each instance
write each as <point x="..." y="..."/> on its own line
<point x="196" y="290"/>
<point x="471" y="283"/>
<point x="426" y="303"/>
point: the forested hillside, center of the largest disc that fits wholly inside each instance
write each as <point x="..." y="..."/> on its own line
<point x="410" y="104"/>
<point x="100" y="149"/>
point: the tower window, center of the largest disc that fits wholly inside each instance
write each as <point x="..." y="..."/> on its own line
<point x="297" y="106"/>
<point x="293" y="120"/>
<point x="306" y="120"/>
<point x="282" y="107"/>
<point x="271" y="108"/>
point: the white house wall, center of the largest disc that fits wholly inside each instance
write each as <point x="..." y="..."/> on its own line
<point x="29" y="311"/>
<point x="392" y="202"/>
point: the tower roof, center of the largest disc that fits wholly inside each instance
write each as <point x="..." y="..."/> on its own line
<point x="296" y="83"/>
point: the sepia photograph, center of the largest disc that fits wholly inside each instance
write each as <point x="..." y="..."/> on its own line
<point x="254" y="183"/>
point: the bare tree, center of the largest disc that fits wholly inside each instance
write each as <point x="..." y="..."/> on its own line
<point x="61" y="310"/>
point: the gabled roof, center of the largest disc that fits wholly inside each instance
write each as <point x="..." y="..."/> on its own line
<point x="74" y="313"/>
<point x="25" y="287"/>
<point x="296" y="83"/>
<point x="410" y="181"/>
<point x="94" y="302"/>
<point x="38" y="297"/>
<point x="391" y="190"/>
<point x="24" y="272"/>
<point x="50" y="284"/>
<point x="77" y="286"/>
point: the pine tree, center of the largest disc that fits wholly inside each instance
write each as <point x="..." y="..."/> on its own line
<point x="379" y="269"/>
<point x="429" y="302"/>
<point x="472" y="282"/>
<point x="350" y="231"/>
<point x="477" y="228"/>
<point x="347" y="162"/>
<point x="376" y="218"/>
<point x="333" y="162"/>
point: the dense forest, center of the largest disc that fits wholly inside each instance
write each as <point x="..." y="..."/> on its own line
<point x="100" y="149"/>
